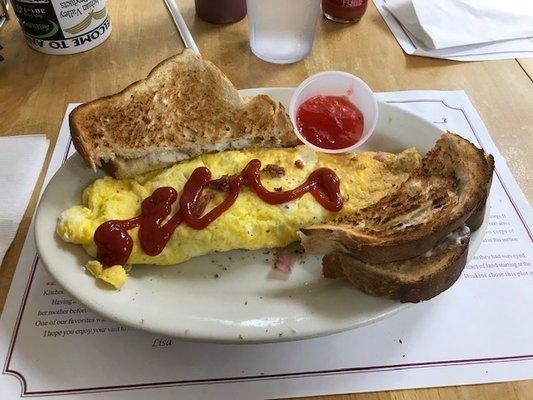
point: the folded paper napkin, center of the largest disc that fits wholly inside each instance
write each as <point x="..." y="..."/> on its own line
<point x="21" y="161"/>
<point x="440" y="24"/>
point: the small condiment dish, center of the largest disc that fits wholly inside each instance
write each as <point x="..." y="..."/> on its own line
<point x="337" y="83"/>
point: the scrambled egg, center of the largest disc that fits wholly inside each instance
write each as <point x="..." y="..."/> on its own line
<point x="250" y="223"/>
<point x="115" y="275"/>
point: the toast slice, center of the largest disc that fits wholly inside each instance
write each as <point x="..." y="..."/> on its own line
<point x="417" y="279"/>
<point x="184" y="108"/>
<point x="449" y="188"/>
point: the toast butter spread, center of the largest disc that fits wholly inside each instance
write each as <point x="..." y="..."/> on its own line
<point x="63" y="26"/>
<point x="114" y="244"/>
<point x="330" y="122"/>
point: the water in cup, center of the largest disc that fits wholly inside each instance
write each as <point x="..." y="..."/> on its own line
<point x="282" y="31"/>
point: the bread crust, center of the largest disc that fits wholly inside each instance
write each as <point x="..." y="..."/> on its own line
<point x="381" y="282"/>
<point x="77" y="139"/>
<point x="353" y="237"/>
<point x="475" y="220"/>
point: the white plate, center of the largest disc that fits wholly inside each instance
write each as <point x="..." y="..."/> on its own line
<point x="247" y="302"/>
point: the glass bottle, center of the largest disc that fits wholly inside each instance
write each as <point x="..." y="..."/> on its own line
<point x="344" y="11"/>
<point x="221" y="11"/>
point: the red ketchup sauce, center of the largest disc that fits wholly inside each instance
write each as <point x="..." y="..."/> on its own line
<point x="330" y="122"/>
<point x="344" y="10"/>
<point x="114" y="244"/>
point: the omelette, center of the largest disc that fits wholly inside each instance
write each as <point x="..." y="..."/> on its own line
<point x="249" y="223"/>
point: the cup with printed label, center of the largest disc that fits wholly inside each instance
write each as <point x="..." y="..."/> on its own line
<point x="63" y="26"/>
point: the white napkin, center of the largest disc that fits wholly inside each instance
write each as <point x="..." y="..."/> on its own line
<point x="440" y="24"/>
<point x="21" y="161"/>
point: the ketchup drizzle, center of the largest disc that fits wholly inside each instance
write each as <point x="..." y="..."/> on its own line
<point x="114" y="244"/>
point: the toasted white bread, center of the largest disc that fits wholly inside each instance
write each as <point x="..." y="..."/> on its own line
<point x="447" y="190"/>
<point x="185" y="107"/>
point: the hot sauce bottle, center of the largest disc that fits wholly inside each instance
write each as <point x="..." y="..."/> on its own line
<point x="344" y="11"/>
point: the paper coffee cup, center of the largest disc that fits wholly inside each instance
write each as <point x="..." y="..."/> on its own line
<point x="63" y="26"/>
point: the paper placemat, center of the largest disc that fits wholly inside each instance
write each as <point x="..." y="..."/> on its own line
<point x="478" y="331"/>
<point x="517" y="48"/>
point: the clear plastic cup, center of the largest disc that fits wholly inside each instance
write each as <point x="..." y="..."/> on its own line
<point x="282" y="31"/>
<point x="337" y="83"/>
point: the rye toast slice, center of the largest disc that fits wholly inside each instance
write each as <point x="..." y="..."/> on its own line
<point x="185" y="107"/>
<point x="449" y="188"/>
<point x="417" y="279"/>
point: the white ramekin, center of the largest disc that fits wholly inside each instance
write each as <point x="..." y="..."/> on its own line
<point x="337" y="83"/>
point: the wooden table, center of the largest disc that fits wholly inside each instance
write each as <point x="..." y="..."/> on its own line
<point x="527" y="66"/>
<point x="35" y="89"/>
